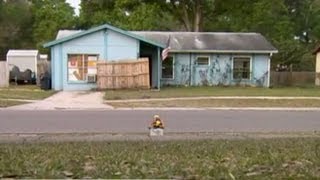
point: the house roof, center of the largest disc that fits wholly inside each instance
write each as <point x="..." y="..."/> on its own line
<point x="211" y="41"/>
<point x="16" y="52"/>
<point x="65" y="33"/>
<point x="61" y="38"/>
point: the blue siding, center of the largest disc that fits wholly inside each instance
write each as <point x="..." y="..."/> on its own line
<point x="121" y="47"/>
<point x="56" y="69"/>
<point x="260" y="70"/>
<point x="108" y="45"/>
<point x="218" y="72"/>
<point x="181" y="74"/>
<point x="91" y="44"/>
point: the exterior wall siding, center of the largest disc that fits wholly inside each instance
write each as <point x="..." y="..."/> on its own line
<point x="317" y="81"/>
<point x="121" y="47"/>
<point x="90" y="44"/>
<point x="260" y="70"/>
<point x="56" y="67"/>
<point x="218" y="72"/>
<point x="181" y="74"/>
<point x="108" y="45"/>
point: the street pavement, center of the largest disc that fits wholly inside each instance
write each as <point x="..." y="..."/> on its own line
<point x="137" y="121"/>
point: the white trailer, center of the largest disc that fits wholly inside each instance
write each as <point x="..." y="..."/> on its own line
<point x="23" y="59"/>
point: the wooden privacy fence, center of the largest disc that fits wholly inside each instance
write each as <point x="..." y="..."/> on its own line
<point x="292" y="78"/>
<point x="4" y="74"/>
<point x="127" y="74"/>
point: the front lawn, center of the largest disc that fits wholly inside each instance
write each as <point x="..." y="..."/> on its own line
<point x="282" y="158"/>
<point x="167" y="92"/>
<point x="7" y="103"/>
<point x="29" y="92"/>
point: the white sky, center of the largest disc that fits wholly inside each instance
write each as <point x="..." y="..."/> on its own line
<point x="75" y="4"/>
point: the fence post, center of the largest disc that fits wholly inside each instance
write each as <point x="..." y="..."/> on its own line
<point x="4" y="74"/>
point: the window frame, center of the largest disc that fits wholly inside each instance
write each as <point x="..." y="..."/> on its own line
<point x="250" y="73"/>
<point x="203" y="57"/>
<point x="173" y="61"/>
<point x="83" y="55"/>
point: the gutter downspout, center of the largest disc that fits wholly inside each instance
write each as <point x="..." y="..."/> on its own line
<point x="159" y="68"/>
<point x="105" y="41"/>
<point x="190" y="73"/>
<point x="269" y="69"/>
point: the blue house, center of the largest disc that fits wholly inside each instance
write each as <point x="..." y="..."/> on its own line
<point x="195" y="58"/>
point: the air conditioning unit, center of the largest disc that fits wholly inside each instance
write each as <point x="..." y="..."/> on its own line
<point x="91" y="78"/>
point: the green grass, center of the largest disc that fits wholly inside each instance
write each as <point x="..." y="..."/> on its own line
<point x="221" y="103"/>
<point x="5" y="103"/>
<point x="30" y="92"/>
<point x="288" y="158"/>
<point x="211" y="91"/>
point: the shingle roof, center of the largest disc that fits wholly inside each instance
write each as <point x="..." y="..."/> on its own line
<point x="15" y="52"/>
<point x="99" y="28"/>
<point x="65" y="33"/>
<point x="211" y="41"/>
<point x="192" y="41"/>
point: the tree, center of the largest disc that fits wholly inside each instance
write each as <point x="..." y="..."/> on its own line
<point x="126" y="14"/>
<point x="49" y="17"/>
<point x="305" y="14"/>
<point x="278" y="20"/>
<point x="188" y="14"/>
<point x="15" y="17"/>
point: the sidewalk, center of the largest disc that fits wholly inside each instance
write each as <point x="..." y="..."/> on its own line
<point x="213" y="97"/>
<point x="306" y="109"/>
<point x="78" y="100"/>
<point x="94" y="101"/>
<point x="153" y="102"/>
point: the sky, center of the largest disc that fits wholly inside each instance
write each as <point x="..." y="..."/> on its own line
<point x="75" y="4"/>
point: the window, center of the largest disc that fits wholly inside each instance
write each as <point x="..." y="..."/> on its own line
<point x="167" y="68"/>
<point x="241" y="68"/>
<point x="80" y="66"/>
<point x="203" y="60"/>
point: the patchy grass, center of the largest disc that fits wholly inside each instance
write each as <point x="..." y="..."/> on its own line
<point x="30" y="92"/>
<point x="7" y="103"/>
<point x="210" y="91"/>
<point x="287" y="158"/>
<point x="222" y="103"/>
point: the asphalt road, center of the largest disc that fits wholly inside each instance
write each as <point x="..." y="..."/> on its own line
<point x="126" y="121"/>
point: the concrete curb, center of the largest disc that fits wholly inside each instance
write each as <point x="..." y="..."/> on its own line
<point x="16" y="108"/>
<point x="170" y="109"/>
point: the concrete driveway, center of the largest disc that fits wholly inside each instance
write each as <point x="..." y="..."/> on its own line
<point x="76" y="100"/>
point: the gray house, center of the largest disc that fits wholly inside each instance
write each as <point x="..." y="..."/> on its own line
<point x="194" y="59"/>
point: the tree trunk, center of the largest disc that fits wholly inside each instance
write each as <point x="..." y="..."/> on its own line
<point x="197" y="16"/>
<point x="186" y="19"/>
